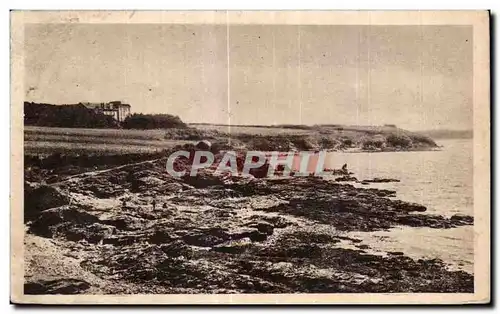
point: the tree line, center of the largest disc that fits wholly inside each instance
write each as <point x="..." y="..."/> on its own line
<point x="79" y="116"/>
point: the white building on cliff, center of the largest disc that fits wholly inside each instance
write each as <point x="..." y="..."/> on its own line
<point x="116" y="109"/>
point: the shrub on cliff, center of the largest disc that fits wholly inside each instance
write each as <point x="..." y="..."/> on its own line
<point x="422" y="140"/>
<point x="303" y="143"/>
<point x="270" y="143"/>
<point x="376" y="142"/>
<point x="65" y="116"/>
<point x="261" y="143"/>
<point x="346" y="142"/>
<point x="327" y="143"/>
<point x="401" y="140"/>
<point x="152" y="121"/>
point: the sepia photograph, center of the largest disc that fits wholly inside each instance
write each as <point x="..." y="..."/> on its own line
<point x="250" y="157"/>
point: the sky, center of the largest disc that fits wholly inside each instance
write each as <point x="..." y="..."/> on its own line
<point x="417" y="77"/>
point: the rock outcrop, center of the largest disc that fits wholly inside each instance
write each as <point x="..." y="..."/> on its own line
<point x="230" y="234"/>
<point x="39" y="198"/>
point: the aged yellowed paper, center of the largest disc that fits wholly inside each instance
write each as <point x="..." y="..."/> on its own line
<point x="241" y="157"/>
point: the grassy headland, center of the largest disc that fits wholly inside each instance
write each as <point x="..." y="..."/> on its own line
<point x="76" y="129"/>
<point x="324" y="137"/>
<point x="47" y="140"/>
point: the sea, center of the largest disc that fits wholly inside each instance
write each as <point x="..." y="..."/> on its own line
<point x="441" y="180"/>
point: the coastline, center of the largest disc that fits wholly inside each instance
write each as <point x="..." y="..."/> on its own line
<point x="220" y="235"/>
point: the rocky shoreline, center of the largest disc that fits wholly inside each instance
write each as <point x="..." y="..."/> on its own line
<point x="135" y="229"/>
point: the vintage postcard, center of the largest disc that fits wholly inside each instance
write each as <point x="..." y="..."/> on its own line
<point x="239" y="157"/>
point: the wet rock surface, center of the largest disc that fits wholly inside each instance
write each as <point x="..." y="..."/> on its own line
<point x="136" y="226"/>
<point x="380" y="180"/>
<point x="60" y="286"/>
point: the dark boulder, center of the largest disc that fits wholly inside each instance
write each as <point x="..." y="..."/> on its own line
<point x="207" y="238"/>
<point x="63" y="221"/>
<point x="462" y="219"/>
<point x="37" y="199"/>
<point x="257" y="236"/>
<point x="346" y="179"/>
<point x="409" y="207"/>
<point x="160" y="237"/>
<point x="58" y="286"/>
<point x="203" y="145"/>
<point x="202" y="180"/>
<point x="263" y="227"/>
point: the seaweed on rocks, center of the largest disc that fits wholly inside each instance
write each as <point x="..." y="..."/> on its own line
<point x="136" y="226"/>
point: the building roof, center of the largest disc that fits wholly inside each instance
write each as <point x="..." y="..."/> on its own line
<point x="105" y="106"/>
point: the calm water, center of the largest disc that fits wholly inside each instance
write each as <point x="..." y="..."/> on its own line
<point x="440" y="180"/>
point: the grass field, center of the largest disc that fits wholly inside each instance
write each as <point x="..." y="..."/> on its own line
<point x="96" y="133"/>
<point x="45" y="140"/>
<point x="256" y="130"/>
